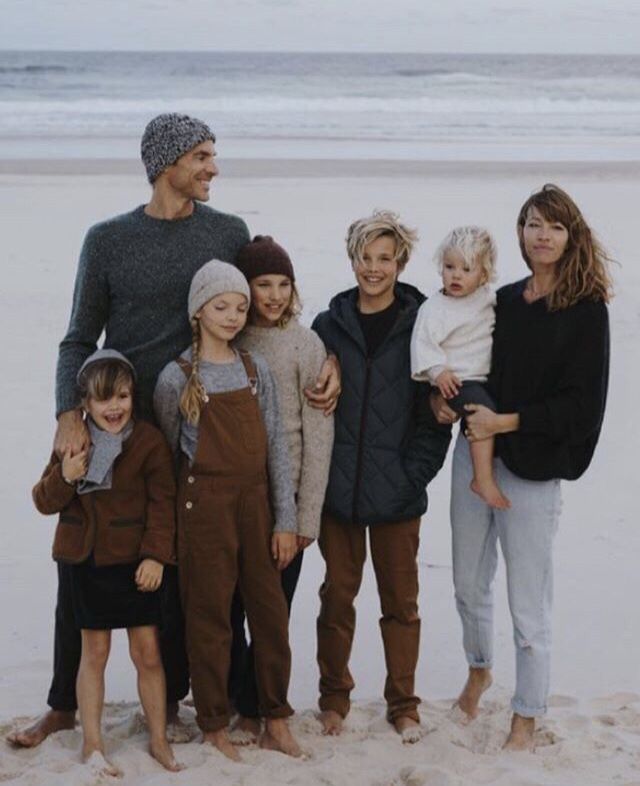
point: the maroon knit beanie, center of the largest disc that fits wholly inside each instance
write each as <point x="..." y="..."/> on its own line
<point x="264" y="257"/>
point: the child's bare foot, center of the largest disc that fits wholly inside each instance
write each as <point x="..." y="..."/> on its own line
<point x="246" y="731"/>
<point x="478" y="681"/>
<point x="177" y="730"/>
<point x="521" y="736"/>
<point x="220" y="740"/>
<point x="99" y="765"/>
<point x="162" y="753"/>
<point x="409" y="729"/>
<point x="278" y="737"/>
<point x="490" y="493"/>
<point x="331" y="722"/>
<point x="49" y="723"/>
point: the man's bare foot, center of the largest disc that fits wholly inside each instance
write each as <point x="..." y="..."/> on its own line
<point x="277" y="737"/>
<point x="49" y="723"/>
<point x="99" y="764"/>
<point x="331" y="722"/>
<point x="409" y="729"/>
<point x="220" y="740"/>
<point x="478" y="681"/>
<point x="490" y="493"/>
<point x="521" y="736"/>
<point x="246" y="731"/>
<point x="162" y="753"/>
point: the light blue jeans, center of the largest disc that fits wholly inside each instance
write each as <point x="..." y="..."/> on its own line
<point x="526" y="533"/>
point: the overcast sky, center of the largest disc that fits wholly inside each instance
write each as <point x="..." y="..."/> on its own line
<point x="565" y="26"/>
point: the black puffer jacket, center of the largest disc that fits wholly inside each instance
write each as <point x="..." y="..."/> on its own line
<point x="387" y="444"/>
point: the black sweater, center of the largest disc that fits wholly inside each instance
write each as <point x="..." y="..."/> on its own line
<point x="552" y="368"/>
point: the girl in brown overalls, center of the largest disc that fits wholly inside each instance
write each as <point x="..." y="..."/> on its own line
<point x="218" y="407"/>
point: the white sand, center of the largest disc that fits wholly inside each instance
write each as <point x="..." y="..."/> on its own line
<point x="592" y="733"/>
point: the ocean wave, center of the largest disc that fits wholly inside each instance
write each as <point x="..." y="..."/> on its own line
<point x="34" y="69"/>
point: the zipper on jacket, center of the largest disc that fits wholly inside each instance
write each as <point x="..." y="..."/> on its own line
<point x="363" y="421"/>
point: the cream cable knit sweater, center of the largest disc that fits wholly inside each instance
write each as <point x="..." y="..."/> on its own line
<point x="454" y="333"/>
<point x="295" y="355"/>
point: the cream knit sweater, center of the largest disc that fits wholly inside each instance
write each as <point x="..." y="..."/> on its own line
<point x="454" y="333"/>
<point x="295" y="356"/>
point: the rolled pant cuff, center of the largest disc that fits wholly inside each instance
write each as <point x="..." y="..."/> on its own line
<point x="335" y="704"/>
<point x="212" y="723"/>
<point x="279" y="712"/>
<point x="395" y="713"/>
<point x="527" y="712"/>
<point x="476" y="663"/>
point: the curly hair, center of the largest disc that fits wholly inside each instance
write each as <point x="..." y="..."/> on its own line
<point x="476" y="245"/>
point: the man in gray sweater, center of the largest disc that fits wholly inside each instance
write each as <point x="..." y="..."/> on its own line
<point x="132" y="283"/>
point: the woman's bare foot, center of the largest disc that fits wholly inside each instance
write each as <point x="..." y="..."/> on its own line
<point x="49" y="723"/>
<point x="246" y="731"/>
<point x="521" y="736"/>
<point x="162" y="753"/>
<point x="331" y="722"/>
<point x="490" y="493"/>
<point x="408" y="728"/>
<point x="99" y="764"/>
<point x="277" y="737"/>
<point x="220" y="740"/>
<point x="478" y="681"/>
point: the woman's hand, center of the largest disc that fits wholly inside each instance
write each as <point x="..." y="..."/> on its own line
<point x="149" y="575"/>
<point x="326" y="389"/>
<point x="74" y="465"/>
<point x="284" y="547"/>
<point x="482" y="423"/>
<point x="441" y="410"/>
<point x="303" y="542"/>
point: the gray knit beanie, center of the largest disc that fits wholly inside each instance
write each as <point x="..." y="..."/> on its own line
<point x="105" y="354"/>
<point x="169" y="136"/>
<point x="213" y="279"/>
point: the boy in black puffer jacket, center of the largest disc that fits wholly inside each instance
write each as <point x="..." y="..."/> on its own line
<point x="387" y="448"/>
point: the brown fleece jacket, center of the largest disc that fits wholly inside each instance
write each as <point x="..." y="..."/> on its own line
<point x="132" y="520"/>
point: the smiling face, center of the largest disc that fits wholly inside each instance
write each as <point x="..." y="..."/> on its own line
<point x="459" y="278"/>
<point x="544" y="241"/>
<point x="223" y="317"/>
<point x="191" y="175"/>
<point x="114" y="413"/>
<point x="377" y="272"/>
<point x="270" y="297"/>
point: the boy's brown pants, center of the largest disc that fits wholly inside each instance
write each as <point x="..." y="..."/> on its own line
<point x="394" y="549"/>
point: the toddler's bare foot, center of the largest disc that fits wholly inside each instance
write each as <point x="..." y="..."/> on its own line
<point x="162" y="753"/>
<point x="409" y="729"/>
<point x="478" y="681"/>
<point x="490" y="493"/>
<point x="246" y="731"/>
<point x="220" y="740"/>
<point x="49" y="723"/>
<point x="331" y="722"/>
<point x="521" y="736"/>
<point x="278" y="737"/>
<point x="99" y="765"/>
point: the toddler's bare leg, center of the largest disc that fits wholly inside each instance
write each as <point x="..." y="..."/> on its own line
<point x="483" y="482"/>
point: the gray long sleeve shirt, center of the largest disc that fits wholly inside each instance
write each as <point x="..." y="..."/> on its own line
<point x="132" y="282"/>
<point x="221" y="378"/>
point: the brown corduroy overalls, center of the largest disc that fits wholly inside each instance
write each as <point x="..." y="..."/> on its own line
<point x="224" y="538"/>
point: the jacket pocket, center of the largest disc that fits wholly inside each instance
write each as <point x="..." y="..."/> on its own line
<point x="69" y="540"/>
<point x="124" y="536"/>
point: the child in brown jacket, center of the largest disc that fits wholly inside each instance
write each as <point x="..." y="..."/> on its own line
<point x="116" y="528"/>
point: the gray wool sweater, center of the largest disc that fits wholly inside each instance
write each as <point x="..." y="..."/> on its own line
<point x="132" y="283"/>
<point x="220" y="378"/>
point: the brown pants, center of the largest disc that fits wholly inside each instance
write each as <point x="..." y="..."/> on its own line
<point x="224" y="536"/>
<point x="394" y="548"/>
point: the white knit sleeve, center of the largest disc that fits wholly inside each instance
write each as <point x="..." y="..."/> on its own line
<point x="426" y="349"/>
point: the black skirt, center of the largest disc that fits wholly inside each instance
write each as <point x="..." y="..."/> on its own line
<point x="106" y="597"/>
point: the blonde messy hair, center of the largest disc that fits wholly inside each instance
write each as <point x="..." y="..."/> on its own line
<point x="583" y="270"/>
<point x="476" y="246"/>
<point x="382" y="223"/>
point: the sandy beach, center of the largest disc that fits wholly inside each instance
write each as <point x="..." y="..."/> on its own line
<point x="591" y="736"/>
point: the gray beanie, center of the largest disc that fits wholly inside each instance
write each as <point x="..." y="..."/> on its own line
<point x="105" y="354"/>
<point x="169" y="136"/>
<point x="213" y="279"/>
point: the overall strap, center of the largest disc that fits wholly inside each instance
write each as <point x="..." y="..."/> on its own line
<point x="250" y="368"/>
<point x="185" y="366"/>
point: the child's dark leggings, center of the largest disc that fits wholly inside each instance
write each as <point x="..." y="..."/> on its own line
<point x="243" y="690"/>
